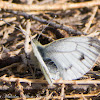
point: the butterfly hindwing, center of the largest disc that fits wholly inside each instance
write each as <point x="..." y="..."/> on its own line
<point x="73" y="56"/>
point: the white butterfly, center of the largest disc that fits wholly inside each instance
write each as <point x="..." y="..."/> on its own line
<point x="68" y="58"/>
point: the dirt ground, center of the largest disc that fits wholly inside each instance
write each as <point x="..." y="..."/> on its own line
<point x="20" y="79"/>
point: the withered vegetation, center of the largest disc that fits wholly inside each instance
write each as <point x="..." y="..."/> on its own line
<point x="20" y="79"/>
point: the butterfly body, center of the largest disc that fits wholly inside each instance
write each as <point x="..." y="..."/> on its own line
<point x="68" y="58"/>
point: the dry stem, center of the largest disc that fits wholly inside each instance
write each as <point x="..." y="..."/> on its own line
<point x="33" y="7"/>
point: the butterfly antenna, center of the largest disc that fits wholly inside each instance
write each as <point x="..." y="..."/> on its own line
<point x="46" y="26"/>
<point x="24" y="32"/>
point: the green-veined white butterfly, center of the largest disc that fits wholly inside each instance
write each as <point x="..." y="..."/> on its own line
<point x="68" y="58"/>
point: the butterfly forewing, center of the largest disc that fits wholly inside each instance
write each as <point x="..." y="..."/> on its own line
<point x="42" y="64"/>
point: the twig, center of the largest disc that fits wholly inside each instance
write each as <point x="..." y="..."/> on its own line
<point x="49" y="96"/>
<point x="12" y="79"/>
<point x="69" y="30"/>
<point x="67" y="96"/>
<point x="83" y="97"/>
<point x="29" y="81"/>
<point x="46" y="36"/>
<point x="27" y="48"/>
<point x="91" y="19"/>
<point x="19" y="88"/>
<point x="10" y="66"/>
<point x="77" y="95"/>
<point x="5" y="29"/>
<point x="7" y="20"/>
<point x="62" y="92"/>
<point x="94" y="34"/>
<point x="20" y="43"/>
<point x="10" y="60"/>
<point x="86" y="81"/>
<point x="12" y="6"/>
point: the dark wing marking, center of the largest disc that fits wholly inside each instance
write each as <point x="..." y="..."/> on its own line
<point x="52" y="69"/>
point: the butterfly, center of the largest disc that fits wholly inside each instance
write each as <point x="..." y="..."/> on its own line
<point x="67" y="58"/>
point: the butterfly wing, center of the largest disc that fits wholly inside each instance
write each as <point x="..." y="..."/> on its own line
<point x="72" y="57"/>
<point x="41" y="62"/>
